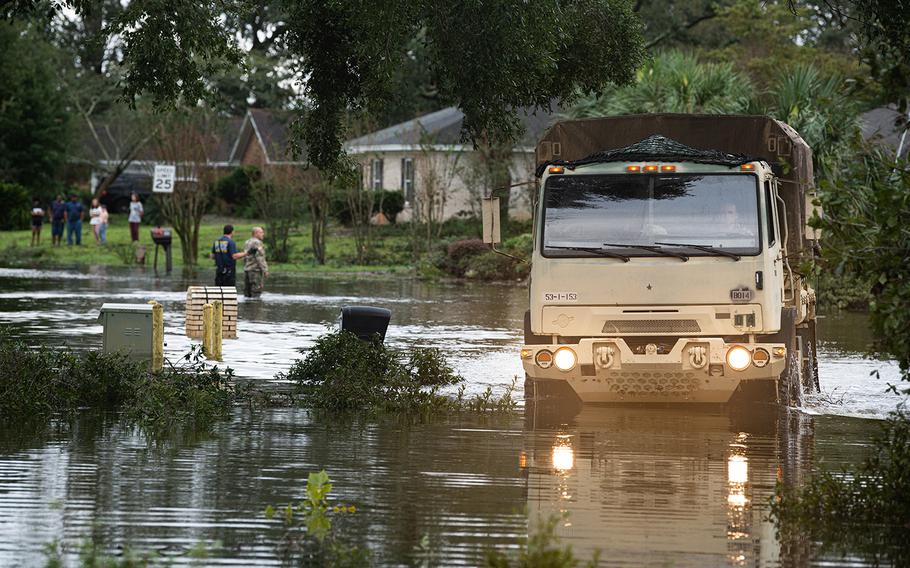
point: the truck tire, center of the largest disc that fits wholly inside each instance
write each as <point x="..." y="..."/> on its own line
<point x="809" y="357"/>
<point x="547" y="389"/>
<point x="789" y="385"/>
<point x="530" y="338"/>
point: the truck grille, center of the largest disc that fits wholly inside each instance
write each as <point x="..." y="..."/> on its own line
<point x="652" y="326"/>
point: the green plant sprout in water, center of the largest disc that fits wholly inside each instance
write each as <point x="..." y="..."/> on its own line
<point x="543" y="549"/>
<point x="311" y="536"/>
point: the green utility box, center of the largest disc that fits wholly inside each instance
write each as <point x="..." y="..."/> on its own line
<point x="128" y="329"/>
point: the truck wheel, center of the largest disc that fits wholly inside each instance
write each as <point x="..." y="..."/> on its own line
<point x="809" y="357"/>
<point x="543" y="389"/>
<point x="789" y="389"/>
<point x="530" y="338"/>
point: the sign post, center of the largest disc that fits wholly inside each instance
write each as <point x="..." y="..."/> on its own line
<point x="164" y="179"/>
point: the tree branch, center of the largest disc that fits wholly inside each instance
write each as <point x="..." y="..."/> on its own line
<point x="710" y="14"/>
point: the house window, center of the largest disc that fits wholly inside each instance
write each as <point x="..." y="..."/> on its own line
<point x="376" y="174"/>
<point x="407" y="179"/>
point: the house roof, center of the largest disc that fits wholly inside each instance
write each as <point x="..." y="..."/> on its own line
<point x="269" y="128"/>
<point x="444" y="127"/>
<point x="114" y="141"/>
<point x="882" y="124"/>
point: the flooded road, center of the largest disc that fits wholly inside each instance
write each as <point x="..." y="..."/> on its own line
<point x="645" y="486"/>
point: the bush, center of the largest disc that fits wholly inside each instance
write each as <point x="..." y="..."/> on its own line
<point x="392" y="205"/>
<point x="473" y="258"/>
<point x="868" y="510"/>
<point x="460" y="254"/>
<point x="43" y="381"/>
<point x="234" y="192"/>
<point x="341" y="372"/>
<point x="17" y="204"/>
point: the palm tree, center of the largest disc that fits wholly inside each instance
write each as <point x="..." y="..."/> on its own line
<point x="820" y="109"/>
<point x="674" y="82"/>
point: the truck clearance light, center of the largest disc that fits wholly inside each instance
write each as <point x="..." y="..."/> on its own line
<point x="760" y="358"/>
<point x="633" y="169"/>
<point x="557" y="170"/>
<point x="747" y="167"/>
<point x="738" y="358"/>
<point x="666" y="168"/>
<point x="544" y="359"/>
<point x="651" y="168"/>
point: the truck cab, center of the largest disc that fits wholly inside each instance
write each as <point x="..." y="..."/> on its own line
<point x="660" y="274"/>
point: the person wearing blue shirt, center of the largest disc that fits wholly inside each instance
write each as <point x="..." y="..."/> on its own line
<point x="58" y="220"/>
<point x="224" y="251"/>
<point x="74" y="210"/>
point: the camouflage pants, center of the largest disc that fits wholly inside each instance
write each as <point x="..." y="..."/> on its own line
<point x="252" y="283"/>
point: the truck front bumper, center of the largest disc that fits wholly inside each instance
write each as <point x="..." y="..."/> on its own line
<point x="696" y="369"/>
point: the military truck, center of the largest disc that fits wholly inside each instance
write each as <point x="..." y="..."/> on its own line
<point x="666" y="260"/>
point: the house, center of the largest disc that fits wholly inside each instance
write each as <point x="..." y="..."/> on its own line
<point x="425" y="158"/>
<point x="263" y="140"/>
<point x="885" y="125"/>
<point x="120" y="158"/>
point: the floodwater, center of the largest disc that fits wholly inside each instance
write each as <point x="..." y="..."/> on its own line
<point x="644" y="486"/>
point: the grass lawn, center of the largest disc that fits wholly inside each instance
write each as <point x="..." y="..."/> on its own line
<point x="391" y="248"/>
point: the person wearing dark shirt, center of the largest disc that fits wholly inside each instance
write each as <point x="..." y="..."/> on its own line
<point x="58" y="220"/>
<point x="224" y="251"/>
<point x="74" y="211"/>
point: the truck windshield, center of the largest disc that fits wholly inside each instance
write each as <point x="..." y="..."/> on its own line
<point x="715" y="211"/>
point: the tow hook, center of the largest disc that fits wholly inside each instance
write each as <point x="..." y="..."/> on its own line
<point x="698" y="356"/>
<point x="604" y="356"/>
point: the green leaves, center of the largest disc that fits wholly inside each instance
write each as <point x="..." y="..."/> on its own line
<point x="674" y="82"/>
<point x="342" y="373"/>
<point x="490" y="57"/>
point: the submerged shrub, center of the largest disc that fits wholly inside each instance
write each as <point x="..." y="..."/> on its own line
<point x="867" y="510"/>
<point x="341" y="372"/>
<point x="42" y="381"/>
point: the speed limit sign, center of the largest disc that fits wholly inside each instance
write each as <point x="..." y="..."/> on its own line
<point x="164" y="178"/>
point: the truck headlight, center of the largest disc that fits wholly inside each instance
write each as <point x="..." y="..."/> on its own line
<point x="565" y="359"/>
<point x="738" y="358"/>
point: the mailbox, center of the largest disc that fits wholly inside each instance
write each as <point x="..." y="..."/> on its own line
<point x="366" y="322"/>
<point x="128" y="329"/>
<point x="161" y="236"/>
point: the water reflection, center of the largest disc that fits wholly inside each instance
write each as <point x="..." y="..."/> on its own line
<point x="687" y="487"/>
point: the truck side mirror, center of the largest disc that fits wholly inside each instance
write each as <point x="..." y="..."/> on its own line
<point x="489" y="211"/>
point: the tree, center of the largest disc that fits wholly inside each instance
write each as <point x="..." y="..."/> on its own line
<point x="674" y="82"/>
<point x="490" y="56"/>
<point x="34" y="123"/>
<point x="188" y="139"/>
<point x="280" y="197"/>
<point x="438" y="167"/>
<point x="822" y="111"/>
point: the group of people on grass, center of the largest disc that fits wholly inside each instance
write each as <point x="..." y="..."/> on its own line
<point x="70" y="214"/>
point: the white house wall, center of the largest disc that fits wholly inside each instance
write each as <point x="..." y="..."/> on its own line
<point x="459" y="200"/>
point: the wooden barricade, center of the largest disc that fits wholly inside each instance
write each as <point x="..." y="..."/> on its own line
<point x="198" y="296"/>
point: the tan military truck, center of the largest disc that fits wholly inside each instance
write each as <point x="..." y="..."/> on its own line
<point x="666" y="260"/>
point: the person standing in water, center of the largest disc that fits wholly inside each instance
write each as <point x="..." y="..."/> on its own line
<point x="224" y="252"/>
<point x="255" y="268"/>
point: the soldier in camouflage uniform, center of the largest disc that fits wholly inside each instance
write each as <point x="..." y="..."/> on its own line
<point x="255" y="268"/>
